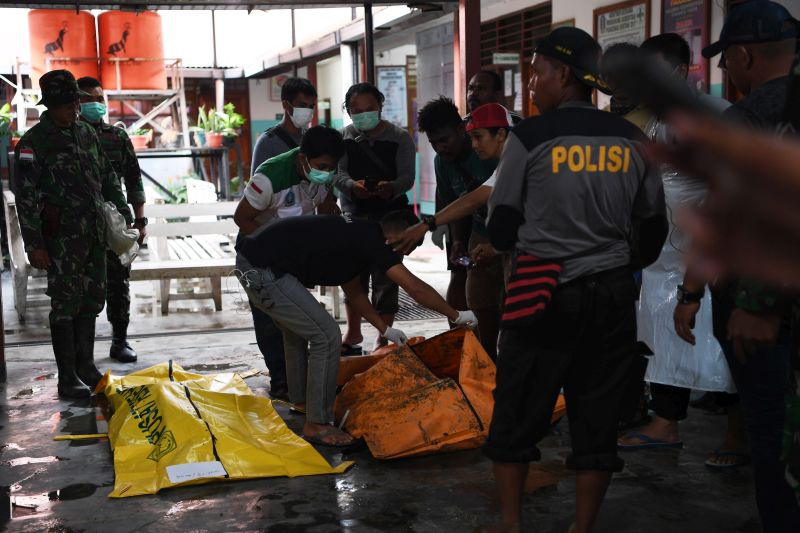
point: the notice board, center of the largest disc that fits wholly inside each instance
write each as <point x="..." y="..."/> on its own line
<point x="392" y="83"/>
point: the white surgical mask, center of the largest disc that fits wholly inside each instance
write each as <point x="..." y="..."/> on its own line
<point x="301" y="117"/>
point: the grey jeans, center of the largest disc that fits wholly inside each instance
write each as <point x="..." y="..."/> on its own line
<point x="311" y="337"/>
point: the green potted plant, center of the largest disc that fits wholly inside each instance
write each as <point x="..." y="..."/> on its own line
<point x="6" y="117"/>
<point x="5" y="120"/>
<point x="140" y="138"/>
<point x="232" y="124"/>
<point x="211" y="126"/>
<point x="216" y="125"/>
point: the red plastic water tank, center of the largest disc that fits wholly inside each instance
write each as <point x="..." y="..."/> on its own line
<point x="136" y="37"/>
<point x="62" y="33"/>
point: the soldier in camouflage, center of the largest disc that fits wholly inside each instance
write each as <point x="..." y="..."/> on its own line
<point x="119" y="150"/>
<point x="63" y="181"/>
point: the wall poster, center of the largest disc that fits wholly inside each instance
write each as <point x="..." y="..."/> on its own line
<point x="392" y="83"/>
<point x="275" y="85"/>
<point x="689" y="19"/>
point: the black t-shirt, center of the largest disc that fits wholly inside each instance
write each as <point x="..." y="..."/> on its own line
<point x="319" y="250"/>
<point x="762" y="109"/>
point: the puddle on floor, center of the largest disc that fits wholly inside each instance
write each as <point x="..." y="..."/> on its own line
<point x="27" y="393"/>
<point x="33" y="460"/>
<point x="212" y="367"/>
<point x="19" y="506"/>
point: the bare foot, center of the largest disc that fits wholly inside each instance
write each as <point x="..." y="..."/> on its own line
<point x="351" y="339"/>
<point x="326" y="434"/>
<point x="735" y="451"/>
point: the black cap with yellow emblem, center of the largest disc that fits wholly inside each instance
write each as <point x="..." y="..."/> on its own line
<point x="579" y="51"/>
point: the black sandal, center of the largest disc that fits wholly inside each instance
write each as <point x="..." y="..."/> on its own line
<point x="351" y="349"/>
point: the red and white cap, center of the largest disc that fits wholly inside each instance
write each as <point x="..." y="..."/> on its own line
<point x="489" y="116"/>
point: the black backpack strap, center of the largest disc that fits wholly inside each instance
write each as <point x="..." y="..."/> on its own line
<point x="282" y="135"/>
<point x="363" y="143"/>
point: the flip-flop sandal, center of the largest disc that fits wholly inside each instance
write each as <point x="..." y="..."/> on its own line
<point x="743" y="460"/>
<point x="318" y="439"/>
<point x="351" y="349"/>
<point x="649" y="443"/>
<point x="293" y="408"/>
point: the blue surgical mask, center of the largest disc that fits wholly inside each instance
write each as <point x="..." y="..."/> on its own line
<point x="366" y="121"/>
<point x="93" y="111"/>
<point x="320" y="177"/>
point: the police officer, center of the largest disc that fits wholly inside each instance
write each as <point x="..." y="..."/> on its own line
<point x="119" y="150"/>
<point x="64" y="179"/>
<point x="582" y="208"/>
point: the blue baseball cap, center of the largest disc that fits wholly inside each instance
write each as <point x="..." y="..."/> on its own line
<point x="757" y="21"/>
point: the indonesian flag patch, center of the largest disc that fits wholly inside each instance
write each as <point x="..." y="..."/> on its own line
<point x="26" y="154"/>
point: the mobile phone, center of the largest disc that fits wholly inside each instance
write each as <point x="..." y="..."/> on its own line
<point x="465" y="261"/>
<point x="371" y="184"/>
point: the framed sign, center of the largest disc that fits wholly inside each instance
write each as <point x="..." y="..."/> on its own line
<point x="275" y="84"/>
<point x="392" y="83"/>
<point x="626" y="22"/>
<point x="690" y="20"/>
<point x="504" y="58"/>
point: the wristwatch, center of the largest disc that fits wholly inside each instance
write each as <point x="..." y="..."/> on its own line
<point x="430" y="221"/>
<point x="686" y="297"/>
<point x="140" y="221"/>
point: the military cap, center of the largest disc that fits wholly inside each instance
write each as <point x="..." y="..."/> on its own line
<point x="59" y="87"/>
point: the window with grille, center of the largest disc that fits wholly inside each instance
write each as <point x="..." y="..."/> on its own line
<point x="516" y="32"/>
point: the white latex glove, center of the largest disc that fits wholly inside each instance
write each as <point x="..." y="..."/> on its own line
<point x="466" y="318"/>
<point x="395" y="335"/>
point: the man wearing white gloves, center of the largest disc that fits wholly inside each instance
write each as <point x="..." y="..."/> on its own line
<point x="276" y="265"/>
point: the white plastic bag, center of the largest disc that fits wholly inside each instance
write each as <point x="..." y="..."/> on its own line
<point x="676" y="362"/>
<point x="119" y="237"/>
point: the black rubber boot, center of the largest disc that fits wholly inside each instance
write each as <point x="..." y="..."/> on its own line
<point x="69" y="384"/>
<point x="84" y="342"/>
<point x="120" y="349"/>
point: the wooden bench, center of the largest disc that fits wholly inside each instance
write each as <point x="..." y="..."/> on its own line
<point x="177" y="250"/>
<point x="202" y="247"/>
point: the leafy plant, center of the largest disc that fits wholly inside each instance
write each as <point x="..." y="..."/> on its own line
<point x="226" y="122"/>
<point x="140" y="131"/>
<point x="5" y="119"/>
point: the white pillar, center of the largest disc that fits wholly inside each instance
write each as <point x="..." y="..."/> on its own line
<point x="219" y="88"/>
<point x="347" y="54"/>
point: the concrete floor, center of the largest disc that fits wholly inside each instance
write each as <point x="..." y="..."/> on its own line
<point x="61" y="486"/>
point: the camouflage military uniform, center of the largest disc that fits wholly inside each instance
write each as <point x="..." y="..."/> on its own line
<point x="64" y="179"/>
<point x="118" y="148"/>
